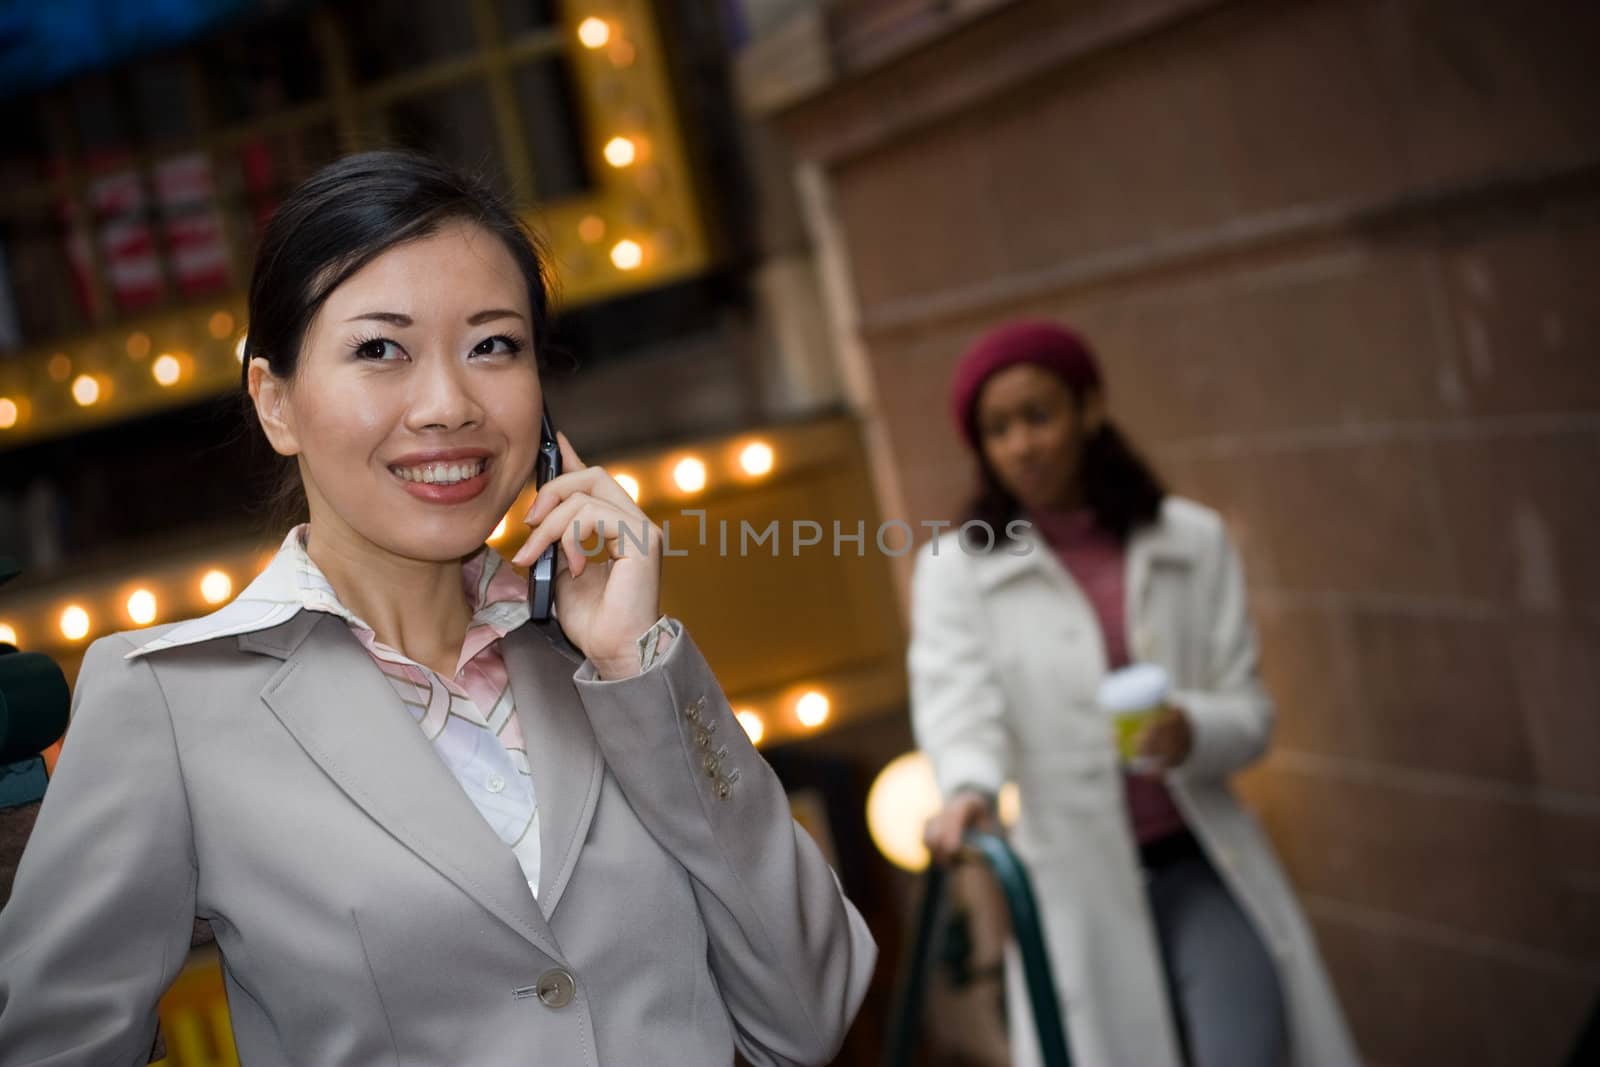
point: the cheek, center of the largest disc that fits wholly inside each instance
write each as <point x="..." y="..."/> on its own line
<point x="341" y="427"/>
<point x="514" y="407"/>
<point x="993" y="454"/>
<point x="1064" y="441"/>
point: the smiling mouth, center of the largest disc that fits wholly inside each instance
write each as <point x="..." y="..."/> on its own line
<point x="448" y="473"/>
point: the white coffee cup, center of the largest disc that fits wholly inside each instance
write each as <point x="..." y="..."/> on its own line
<point x="1130" y="698"/>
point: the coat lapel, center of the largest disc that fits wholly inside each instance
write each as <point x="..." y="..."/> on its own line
<point x="346" y="717"/>
<point x="1032" y="557"/>
<point x="562" y="752"/>
<point x="1159" y="542"/>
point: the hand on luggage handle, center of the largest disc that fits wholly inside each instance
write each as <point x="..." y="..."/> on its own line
<point x="993" y="851"/>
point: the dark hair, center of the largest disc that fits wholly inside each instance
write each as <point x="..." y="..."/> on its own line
<point x="339" y="220"/>
<point x="1119" y="487"/>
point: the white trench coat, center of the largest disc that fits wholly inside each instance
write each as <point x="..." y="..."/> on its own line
<point x="1005" y="657"/>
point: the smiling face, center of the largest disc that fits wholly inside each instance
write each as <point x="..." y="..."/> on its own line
<point x="1032" y="430"/>
<point x="414" y="408"/>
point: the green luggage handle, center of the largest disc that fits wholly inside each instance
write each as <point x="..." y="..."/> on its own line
<point x="1008" y="870"/>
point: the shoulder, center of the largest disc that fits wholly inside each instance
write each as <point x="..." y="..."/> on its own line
<point x="943" y="560"/>
<point x="122" y="652"/>
<point x="941" y="546"/>
<point x="120" y="646"/>
<point x="1199" y="528"/>
<point x="1190" y="517"/>
<point x="110" y="677"/>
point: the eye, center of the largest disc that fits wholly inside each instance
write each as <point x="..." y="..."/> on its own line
<point x="378" y="349"/>
<point x="498" y="345"/>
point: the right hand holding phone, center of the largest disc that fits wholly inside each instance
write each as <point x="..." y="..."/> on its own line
<point x="609" y="599"/>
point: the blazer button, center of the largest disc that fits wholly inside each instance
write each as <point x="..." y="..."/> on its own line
<point x="556" y="988"/>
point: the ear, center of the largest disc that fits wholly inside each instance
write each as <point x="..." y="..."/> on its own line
<point x="270" y="395"/>
<point x="1092" y="412"/>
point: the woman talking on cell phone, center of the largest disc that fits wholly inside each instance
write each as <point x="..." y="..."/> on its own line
<point x="1172" y="934"/>
<point x="425" y="828"/>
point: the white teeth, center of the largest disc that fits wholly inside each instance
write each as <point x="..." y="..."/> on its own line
<point x="441" y="473"/>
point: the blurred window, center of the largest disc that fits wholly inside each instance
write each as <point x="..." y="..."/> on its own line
<point x="145" y="186"/>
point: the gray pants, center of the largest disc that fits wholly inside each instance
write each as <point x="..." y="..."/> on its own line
<point x="1222" y="980"/>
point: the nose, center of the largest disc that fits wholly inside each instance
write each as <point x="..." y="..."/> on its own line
<point x="442" y="397"/>
<point x="1015" y="442"/>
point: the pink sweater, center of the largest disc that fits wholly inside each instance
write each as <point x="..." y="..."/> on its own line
<point x="1098" y="562"/>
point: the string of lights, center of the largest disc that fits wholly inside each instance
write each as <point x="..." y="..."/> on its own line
<point x="63" y="621"/>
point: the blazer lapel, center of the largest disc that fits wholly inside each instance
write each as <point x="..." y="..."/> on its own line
<point x="347" y="718"/>
<point x="562" y="753"/>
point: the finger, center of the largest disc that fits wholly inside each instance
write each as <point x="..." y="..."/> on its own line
<point x="596" y="481"/>
<point x="551" y="527"/>
<point x="604" y="484"/>
<point x="1148" y="743"/>
<point x="539" y="538"/>
<point x="588" y="528"/>
<point x="577" y="558"/>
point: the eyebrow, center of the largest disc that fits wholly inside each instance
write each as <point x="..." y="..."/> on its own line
<point x="493" y="313"/>
<point x="394" y="318"/>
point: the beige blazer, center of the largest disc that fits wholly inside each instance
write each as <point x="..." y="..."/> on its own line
<point x="365" y="912"/>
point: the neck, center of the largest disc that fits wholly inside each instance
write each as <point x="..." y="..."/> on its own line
<point x="416" y="607"/>
<point x="1070" y="498"/>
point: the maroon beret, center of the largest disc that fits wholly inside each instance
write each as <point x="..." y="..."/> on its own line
<point x="1044" y="344"/>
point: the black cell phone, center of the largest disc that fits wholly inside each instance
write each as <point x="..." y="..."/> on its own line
<point x="542" y="578"/>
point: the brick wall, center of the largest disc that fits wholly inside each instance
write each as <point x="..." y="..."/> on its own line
<point x="1341" y="260"/>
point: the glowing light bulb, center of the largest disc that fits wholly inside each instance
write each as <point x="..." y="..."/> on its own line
<point x="630" y="485"/>
<point x="754" y="728"/>
<point x="594" y="32"/>
<point x="9" y="413"/>
<point x="620" y="151"/>
<point x="812" y="710"/>
<point x="138" y="345"/>
<point x="756" y="458"/>
<point x="591" y="228"/>
<point x="903" y="797"/>
<point x="166" y="370"/>
<point x="85" y="390"/>
<point x="8" y="635"/>
<point x="627" y="255"/>
<point x="220" y="325"/>
<point x="59" y="366"/>
<point x="142" y="607"/>
<point x="215" y="587"/>
<point x="74" y="623"/>
<point x="690" y="475"/>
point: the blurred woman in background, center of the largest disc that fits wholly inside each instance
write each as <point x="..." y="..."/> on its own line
<point x="1172" y="933"/>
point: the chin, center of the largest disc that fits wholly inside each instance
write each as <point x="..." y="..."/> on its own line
<point x="440" y="541"/>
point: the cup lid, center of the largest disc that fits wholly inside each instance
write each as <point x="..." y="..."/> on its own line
<point x="1134" y="688"/>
